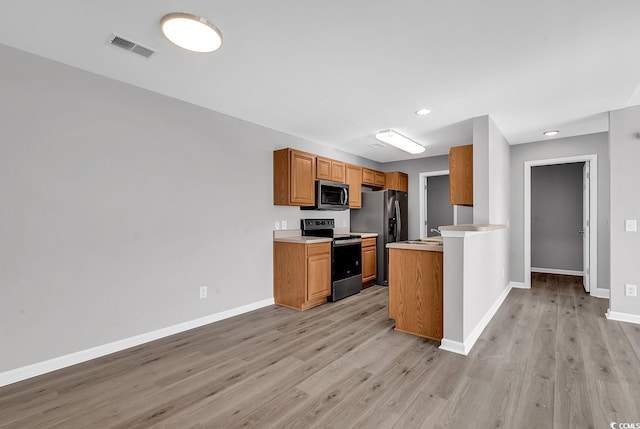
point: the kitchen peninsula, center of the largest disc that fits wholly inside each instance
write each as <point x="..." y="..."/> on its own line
<point x="448" y="292"/>
<point x="415" y="287"/>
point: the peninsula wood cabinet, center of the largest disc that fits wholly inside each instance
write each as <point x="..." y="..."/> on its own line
<point x="301" y="274"/>
<point x="415" y="292"/>
<point x="354" y="180"/>
<point x="330" y="169"/>
<point x="294" y="175"/>
<point x="368" y="260"/>
<point x="461" y="175"/>
<point x="397" y="181"/>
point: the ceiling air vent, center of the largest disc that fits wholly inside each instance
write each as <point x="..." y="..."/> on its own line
<point x="376" y="145"/>
<point x="130" y="46"/>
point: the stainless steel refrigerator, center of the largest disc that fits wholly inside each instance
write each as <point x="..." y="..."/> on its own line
<point x="385" y="213"/>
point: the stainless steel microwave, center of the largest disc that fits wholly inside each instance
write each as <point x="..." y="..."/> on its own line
<point x="331" y="195"/>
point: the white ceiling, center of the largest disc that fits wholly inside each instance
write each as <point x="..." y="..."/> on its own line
<point x="335" y="72"/>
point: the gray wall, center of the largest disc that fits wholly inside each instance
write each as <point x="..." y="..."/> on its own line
<point x="556" y="216"/>
<point x="559" y="148"/>
<point x="624" y="147"/>
<point x="119" y="203"/>
<point x="439" y="208"/>
<point x="413" y="168"/>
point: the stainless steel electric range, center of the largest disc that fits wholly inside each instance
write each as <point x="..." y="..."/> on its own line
<point x="346" y="255"/>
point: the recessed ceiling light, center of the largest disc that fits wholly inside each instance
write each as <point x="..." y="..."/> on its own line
<point x="401" y="142"/>
<point x="191" y="32"/>
<point x="422" y="112"/>
<point x="551" y="133"/>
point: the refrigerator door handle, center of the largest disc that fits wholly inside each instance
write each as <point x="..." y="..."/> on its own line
<point x="398" y="221"/>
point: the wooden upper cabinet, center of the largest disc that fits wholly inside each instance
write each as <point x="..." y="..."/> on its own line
<point x="323" y="168"/>
<point x="338" y="172"/>
<point x="372" y="178"/>
<point x="294" y="175"/>
<point x="354" y="180"/>
<point x="330" y="169"/>
<point x="397" y="181"/>
<point x="379" y="179"/>
<point x="461" y="175"/>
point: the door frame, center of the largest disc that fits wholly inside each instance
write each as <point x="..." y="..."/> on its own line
<point x="422" y="186"/>
<point x="592" y="159"/>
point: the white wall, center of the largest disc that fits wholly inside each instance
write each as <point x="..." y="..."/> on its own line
<point x="560" y="148"/>
<point x="624" y="150"/>
<point x="119" y="203"/>
<point x="491" y="170"/>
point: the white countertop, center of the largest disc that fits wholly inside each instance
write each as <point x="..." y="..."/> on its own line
<point x="365" y="234"/>
<point x="427" y="244"/>
<point x="294" y="236"/>
<point x="302" y="240"/>
<point x="471" y="227"/>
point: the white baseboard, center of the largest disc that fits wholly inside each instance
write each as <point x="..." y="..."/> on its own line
<point x="465" y="347"/>
<point x="556" y="271"/>
<point x="623" y="317"/>
<point x="600" y="293"/>
<point x="518" y="285"/>
<point x="23" y="373"/>
<point x="453" y="346"/>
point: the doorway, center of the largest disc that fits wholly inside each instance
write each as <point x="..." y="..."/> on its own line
<point x="435" y="207"/>
<point x="558" y="219"/>
<point x="590" y="215"/>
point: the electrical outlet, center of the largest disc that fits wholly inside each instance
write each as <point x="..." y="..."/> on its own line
<point x="630" y="225"/>
<point x="203" y="292"/>
<point x="284" y="224"/>
<point x="277" y="225"/>
<point x="630" y="290"/>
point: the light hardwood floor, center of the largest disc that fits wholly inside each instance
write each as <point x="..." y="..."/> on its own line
<point x="548" y="359"/>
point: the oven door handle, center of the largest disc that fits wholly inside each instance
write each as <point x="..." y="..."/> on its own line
<point x="349" y="242"/>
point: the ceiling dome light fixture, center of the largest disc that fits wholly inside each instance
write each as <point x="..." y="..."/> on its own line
<point x="551" y="133"/>
<point x="423" y="112"/>
<point x="191" y="32"/>
<point x="401" y="142"/>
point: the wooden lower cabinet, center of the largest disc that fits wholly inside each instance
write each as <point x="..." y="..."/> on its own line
<point x="368" y="260"/>
<point x="415" y="292"/>
<point x="301" y="274"/>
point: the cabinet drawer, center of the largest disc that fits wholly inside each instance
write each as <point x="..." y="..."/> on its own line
<point x="318" y="249"/>
<point x="368" y="242"/>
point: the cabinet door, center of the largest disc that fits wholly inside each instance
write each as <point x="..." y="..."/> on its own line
<point x="319" y="276"/>
<point x="323" y="168"/>
<point x="368" y="176"/>
<point x="461" y="175"/>
<point x="337" y="171"/>
<point x="354" y="180"/>
<point x="368" y="263"/>
<point x="378" y="178"/>
<point x="397" y="181"/>
<point x="403" y="182"/>
<point x="303" y="175"/>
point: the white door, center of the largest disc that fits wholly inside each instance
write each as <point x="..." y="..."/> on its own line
<point x="586" y="227"/>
